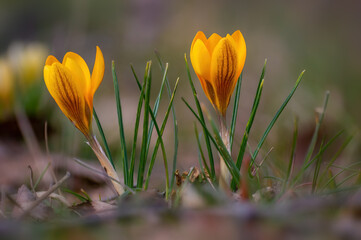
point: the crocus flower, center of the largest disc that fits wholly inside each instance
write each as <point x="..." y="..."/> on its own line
<point x="73" y="88"/>
<point x="26" y="61"/>
<point x="218" y="63"/>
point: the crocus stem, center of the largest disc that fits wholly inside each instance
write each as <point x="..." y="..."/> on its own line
<point x="225" y="176"/>
<point x="104" y="161"/>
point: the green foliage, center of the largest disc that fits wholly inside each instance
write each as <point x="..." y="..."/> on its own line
<point x="121" y="127"/>
<point x="312" y="169"/>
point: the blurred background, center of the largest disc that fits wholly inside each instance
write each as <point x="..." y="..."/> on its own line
<point x="322" y="37"/>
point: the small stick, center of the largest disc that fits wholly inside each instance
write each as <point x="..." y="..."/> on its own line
<point x="45" y="195"/>
<point x="261" y="163"/>
<point x="32" y="180"/>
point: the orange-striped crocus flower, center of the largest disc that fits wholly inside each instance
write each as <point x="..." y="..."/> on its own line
<point x="218" y="63"/>
<point x="73" y="89"/>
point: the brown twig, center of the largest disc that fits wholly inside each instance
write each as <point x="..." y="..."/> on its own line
<point x="45" y="195"/>
<point x="32" y="179"/>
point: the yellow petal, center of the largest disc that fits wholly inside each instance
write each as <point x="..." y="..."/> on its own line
<point x="209" y="90"/>
<point x="50" y="60"/>
<point x="213" y="40"/>
<point x="98" y="72"/>
<point x="200" y="35"/>
<point x="79" y="68"/>
<point x="241" y="50"/>
<point x="68" y="95"/>
<point x="223" y="71"/>
<point x="201" y="59"/>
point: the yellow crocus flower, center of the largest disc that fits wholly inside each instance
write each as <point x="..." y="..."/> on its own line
<point x="218" y="63"/>
<point x="73" y="88"/>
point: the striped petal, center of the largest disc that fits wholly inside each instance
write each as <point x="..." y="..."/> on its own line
<point x="223" y="71"/>
<point x="78" y="68"/>
<point x="69" y="95"/>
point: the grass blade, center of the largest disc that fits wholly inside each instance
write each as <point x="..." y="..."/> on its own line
<point x="249" y="124"/>
<point x="136" y="129"/>
<point x="256" y="101"/>
<point x="292" y="157"/>
<point x="120" y="123"/>
<point x="143" y="154"/>
<point x="332" y="179"/>
<point x="333" y="184"/>
<point x="317" y="170"/>
<point x="41" y="175"/>
<point x="323" y="149"/>
<point x="319" y="154"/>
<point x="175" y="125"/>
<point x="346" y="179"/>
<point x="156" y="105"/>
<point x="317" y="129"/>
<point x="273" y="121"/>
<point x="235" y="110"/>
<point x="337" y="154"/>
<point x="200" y="150"/>
<point x="159" y="140"/>
<point x="77" y="195"/>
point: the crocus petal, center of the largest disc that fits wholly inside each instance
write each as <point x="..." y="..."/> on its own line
<point x="201" y="59"/>
<point x="50" y="60"/>
<point x="98" y="72"/>
<point x="223" y="71"/>
<point x="68" y="95"/>
<point x="78" y="66"/>
<point x="200" y="35"/>
<point x="213" y="40"/>
<point x="241" y="49"/>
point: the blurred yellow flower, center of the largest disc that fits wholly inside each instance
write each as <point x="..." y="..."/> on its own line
<point x="218" y="63"/>
<point x="73" y="88"/>
<point x="6" y="85"/>
<point x="27" y="61"/>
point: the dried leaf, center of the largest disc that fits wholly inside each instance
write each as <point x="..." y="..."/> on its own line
<point x="25" y="198"/>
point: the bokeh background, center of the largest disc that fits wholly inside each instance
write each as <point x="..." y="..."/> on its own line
<point x="322" y="37"/>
